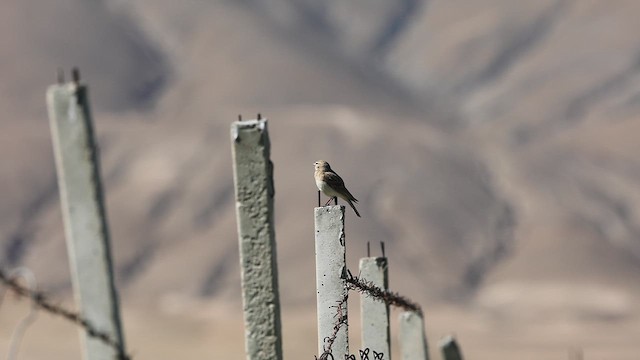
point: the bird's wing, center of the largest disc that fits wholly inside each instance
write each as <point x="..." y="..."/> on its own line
<point x="333" y="180"/>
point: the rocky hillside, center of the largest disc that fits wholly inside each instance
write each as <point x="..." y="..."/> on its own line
<point x="491" y="143"/>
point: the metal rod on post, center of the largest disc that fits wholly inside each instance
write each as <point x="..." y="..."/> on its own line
<point x="450" y="349"/>
<point x="84" y="214"/>
<point x="254" y="191"/>
<point x="332" y="292"/>
<point x="374" y="314"/>
<point x="413" y="344"/>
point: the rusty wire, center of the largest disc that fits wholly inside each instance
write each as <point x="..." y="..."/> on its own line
<point x="388" y="297"/>
<point x="363" y="354"/>
<point x="341" y="319"/>
<point x="28" y="319"/>
<point x="42" y="302"/>
<point x="368" y="288"/>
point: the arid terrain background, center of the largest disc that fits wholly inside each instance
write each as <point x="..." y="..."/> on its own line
<point x="493" y="145"/>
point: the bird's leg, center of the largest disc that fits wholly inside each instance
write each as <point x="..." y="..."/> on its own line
<point x="335" y="199"/>
<point x="319" y="200"/>
<point x="328" y="201"/>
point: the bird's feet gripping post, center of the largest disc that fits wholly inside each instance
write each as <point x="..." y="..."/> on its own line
<point x="329" y="201"/>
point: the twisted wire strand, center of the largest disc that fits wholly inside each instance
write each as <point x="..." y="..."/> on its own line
<point x="40" y="301"/>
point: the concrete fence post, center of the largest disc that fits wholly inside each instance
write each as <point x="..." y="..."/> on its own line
<point x="331" y="285"/>
<point x="85" y="219"/>
<point x="413" y="344"/>
<point x="450" y="349"/>
<point x="374" y="314"/>
<point x="254" y="191"/>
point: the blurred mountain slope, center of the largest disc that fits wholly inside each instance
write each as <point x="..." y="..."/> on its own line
<point x="491" y="143"/>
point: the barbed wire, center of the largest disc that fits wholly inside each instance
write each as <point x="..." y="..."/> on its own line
<point x="341" y="319"/>
<point x="367" y="288"/>
<point x="364" y="355"/>
<point x="27" y="320"/>
<point x="42" y="302"/>
<point x="388" y="297"/>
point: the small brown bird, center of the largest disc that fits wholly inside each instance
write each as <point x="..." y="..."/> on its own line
<point x="332" y="185"/>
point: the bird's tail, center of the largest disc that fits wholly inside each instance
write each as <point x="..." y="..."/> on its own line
<point x="354" y="208"/>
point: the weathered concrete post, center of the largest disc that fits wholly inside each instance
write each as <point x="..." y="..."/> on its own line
<point x="253" y="177"/>
<point x="85" y="218"/>
<point x="331" y="285"/>
<point x="450" y="349"/>
<point x="413" y="344"/>
<point x="374" y="313"/>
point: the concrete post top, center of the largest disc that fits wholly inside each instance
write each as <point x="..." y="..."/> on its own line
<point x="410" y="316"/>
<point x="447" y="341"/>
<point x="248" y="125"/>
<point x="380" y="262"/>
<point x="329" y="209"/>
<point x="250" y="122"/>
<point x="67" y="86"/>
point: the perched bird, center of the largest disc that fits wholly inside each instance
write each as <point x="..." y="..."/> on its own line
<point x="332" y="185"/>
